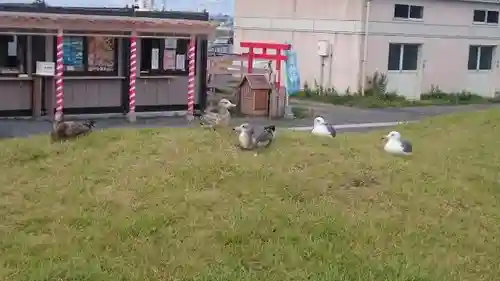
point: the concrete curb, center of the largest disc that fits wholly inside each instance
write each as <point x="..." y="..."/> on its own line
<point x="357" y="126"/>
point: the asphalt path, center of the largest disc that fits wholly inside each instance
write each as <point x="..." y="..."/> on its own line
<point x="336" y="115"/>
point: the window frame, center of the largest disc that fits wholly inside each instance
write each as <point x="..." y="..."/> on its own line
<point x="486" y="12"/>
<point x="86" y="72"/>
<point x="161" y="71"/>
<point x="477" y="67"/>
<point x="408" y="17"/>
<point x="402" y="47"/>
<point x="25" y="55"/>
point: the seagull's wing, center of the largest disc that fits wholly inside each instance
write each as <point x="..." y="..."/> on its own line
<point x="77" y="128"/>
<point x="331" y="129"/>
<point x="407" y="147"/>
<point x="265" y="138"/>
<point x="210" y="117"/>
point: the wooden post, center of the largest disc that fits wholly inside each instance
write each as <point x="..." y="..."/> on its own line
<point x="132" y="78"/>
<point x="59" y="75"/>
<point x="191" y="79"/>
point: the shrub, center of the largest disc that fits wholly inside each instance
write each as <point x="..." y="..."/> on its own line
<point x="377" y="96"/>
<point x="436" y="94"/>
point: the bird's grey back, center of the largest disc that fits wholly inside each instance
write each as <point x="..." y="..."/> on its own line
<point x="263" y="136"/>
<point x="331" y="129"/>
<point x="407" y="146"/>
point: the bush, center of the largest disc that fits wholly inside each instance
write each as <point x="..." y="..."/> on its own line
<point x="436" y="94"/>
<point x="377" y="96"/>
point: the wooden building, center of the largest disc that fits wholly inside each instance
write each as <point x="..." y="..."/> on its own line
<point x="254" y="94"/>
<point x="96" y="58"/>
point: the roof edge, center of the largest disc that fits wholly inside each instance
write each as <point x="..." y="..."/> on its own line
<point x="102" y="11"/>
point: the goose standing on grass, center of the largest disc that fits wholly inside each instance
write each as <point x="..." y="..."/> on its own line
<point x="396" y="145"/>
<point x="323" y="128"/>
<point x="220" y="118"/>
<point x="63" y="130"/>
<point x="248" y="138"/>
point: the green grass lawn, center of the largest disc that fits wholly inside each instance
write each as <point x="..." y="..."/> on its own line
<point x="182" y="204"/>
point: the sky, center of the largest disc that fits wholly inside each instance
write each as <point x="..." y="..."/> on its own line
<point x="213" y="6"/>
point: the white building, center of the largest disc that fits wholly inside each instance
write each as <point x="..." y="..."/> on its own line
<point x="447" y="43"/>
<point x="144" y="5"/>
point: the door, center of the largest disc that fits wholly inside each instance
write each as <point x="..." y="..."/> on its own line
<point x="404" y="70"/>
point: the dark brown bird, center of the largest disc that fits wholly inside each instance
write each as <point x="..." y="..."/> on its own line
<point x="63" y="130"/>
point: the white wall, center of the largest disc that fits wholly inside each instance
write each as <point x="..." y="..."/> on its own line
<point x="445" y="33"/>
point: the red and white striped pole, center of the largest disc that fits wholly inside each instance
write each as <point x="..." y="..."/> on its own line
<point x="133" y="76"/>
<point x="59" y="75"/>
<point x="191" y="79"/>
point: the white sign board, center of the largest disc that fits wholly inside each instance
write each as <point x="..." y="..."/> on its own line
<point x="155" y="58"/>
<point x="45" y="68"/>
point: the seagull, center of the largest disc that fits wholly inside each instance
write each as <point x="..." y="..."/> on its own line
<point x="63" y="130"/>
<point x="266" y="137"/>
<point x="323" y="128"/>
<point x="245" y="136"/>
<point x="221" y="118"/>
<point x="249" y="140"/>
<point x="396" y="145"/>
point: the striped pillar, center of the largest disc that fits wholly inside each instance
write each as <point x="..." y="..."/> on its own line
<point x="59" y="75"/>
<point x="133" y="77"/>
<point x="191" y="79"/>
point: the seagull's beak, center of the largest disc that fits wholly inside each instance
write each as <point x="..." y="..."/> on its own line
<point x="383" y="138"/>
<point x="231" y="105"/>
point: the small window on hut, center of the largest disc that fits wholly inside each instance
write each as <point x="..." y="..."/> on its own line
<point x="73" y="53"/>
<point x="12" y="54"/>
<point x="101" y="54"/>
<point x="93" y="55"/>
<point x="164" y="56"/>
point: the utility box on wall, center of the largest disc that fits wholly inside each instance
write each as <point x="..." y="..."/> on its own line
<point x="323" y="48"/>
<point x="254" y="92"/>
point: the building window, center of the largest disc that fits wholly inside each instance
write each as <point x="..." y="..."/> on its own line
<point x="480" y="57"/>
<point x="95" y="55"/>
<point x="101" y="53"/>
<point x="164" y="56"/>
<point x="402" y="11"/>
<point x="484" y="16"/>
<point x="403" y="56"/>
<point x="73" y="50"/>
<point x="12" y="55"/>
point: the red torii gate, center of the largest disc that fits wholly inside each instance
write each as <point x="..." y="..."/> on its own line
<point x="278" y="57"/>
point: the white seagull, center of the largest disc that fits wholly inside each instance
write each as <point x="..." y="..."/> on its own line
<point x="396" y="145"/>
<point x="323" y="128"/>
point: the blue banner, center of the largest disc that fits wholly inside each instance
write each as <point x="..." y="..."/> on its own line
<point x="292" y="73"/>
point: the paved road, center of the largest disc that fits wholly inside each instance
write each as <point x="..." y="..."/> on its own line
<point x="346" y="115"/>
<point x="24" y="128"/>
<point x="334" y="114"/>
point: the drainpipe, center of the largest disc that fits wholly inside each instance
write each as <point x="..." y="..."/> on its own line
<point x="365" y="47"/>
<point x="330" y="61"/>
